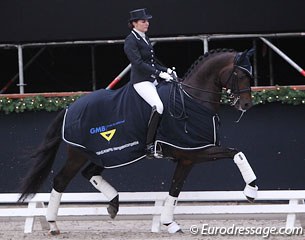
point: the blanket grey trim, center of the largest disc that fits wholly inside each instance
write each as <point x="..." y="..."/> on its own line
<point x="63" y="133"/>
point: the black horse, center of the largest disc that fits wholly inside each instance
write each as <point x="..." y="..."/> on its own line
<point x="187" y="133"/>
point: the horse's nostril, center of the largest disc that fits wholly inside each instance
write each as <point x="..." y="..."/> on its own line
<point x="248" y="105"/>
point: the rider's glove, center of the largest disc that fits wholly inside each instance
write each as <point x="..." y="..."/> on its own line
<point x="165" y="76"/>
<point x="171" y="72"/>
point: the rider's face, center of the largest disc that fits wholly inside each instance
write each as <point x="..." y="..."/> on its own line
<point x="141" y="25"/>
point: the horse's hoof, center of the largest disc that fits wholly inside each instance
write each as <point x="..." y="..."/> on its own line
<point x="112" y="211"/>
<point x="250" y="193"/>
<point x="173" y="228"/>
<point x="113" y="207"/>
<point x="54" y="232"/>
<point x="251" y="200"/>
<point x="53" y="228"/>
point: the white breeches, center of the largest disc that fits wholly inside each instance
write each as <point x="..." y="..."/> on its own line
<point x="148" y="91"/>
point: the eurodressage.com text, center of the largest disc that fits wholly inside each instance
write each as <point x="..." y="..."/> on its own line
<point x="265" y="232"/>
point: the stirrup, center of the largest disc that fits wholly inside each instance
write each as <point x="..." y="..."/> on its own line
<point x="158" y="154"/>
<point x="151" y="153"/>
<point x="150" y="150"/>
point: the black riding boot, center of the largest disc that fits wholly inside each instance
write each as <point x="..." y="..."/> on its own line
<point x="153" y="124"/>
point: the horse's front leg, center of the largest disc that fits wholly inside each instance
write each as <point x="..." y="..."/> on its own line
<point x="248" y="175"/>
<point x="167" y="216"/>
<point x="214" y="153"/>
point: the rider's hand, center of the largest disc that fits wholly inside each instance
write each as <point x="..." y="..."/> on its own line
<point x="171" y="72"/>
<point x="165" y="76"/>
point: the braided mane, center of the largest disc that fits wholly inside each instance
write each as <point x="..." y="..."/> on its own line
<point x="204" y="57"/>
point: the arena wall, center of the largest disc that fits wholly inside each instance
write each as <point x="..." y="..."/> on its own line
<point x="270" y="135"/>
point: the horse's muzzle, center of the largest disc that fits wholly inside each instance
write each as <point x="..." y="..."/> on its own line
<point x="243" y="105"/>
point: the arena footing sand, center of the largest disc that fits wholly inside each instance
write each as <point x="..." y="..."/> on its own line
<point x="11" y="229"/>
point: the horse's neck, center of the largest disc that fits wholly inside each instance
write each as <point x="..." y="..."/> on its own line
<point x="206" y="77"/>
<point x="204" y="91"/>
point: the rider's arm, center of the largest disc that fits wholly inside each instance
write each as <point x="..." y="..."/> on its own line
<point x="132" y="51"/>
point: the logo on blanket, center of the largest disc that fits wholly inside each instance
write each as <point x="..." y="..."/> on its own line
<point x="103" y="130"/>
<point x="108" y="134"/>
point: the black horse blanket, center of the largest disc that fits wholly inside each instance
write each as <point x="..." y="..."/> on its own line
<point x="111" y="125"/>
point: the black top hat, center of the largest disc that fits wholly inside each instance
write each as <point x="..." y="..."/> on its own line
<point x="139" y="14"/>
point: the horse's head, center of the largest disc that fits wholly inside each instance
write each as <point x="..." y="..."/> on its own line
<point x="237" y="81"/>
<point x="218" y="70"/>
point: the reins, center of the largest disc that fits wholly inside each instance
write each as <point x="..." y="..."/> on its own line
<point x="230" y="91"/>
<point x="182" y="115"/>
<point x="231" y="85"/>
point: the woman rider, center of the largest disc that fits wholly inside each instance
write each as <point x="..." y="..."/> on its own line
<point x="145" y="71"/>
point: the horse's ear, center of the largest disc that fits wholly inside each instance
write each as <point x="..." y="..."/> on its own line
<point x="250" y="52"/>
<point x="240" y="58"/>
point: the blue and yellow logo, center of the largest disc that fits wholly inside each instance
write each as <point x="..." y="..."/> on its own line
<point x="108" y="134"/>
<point x="103" y="130"/>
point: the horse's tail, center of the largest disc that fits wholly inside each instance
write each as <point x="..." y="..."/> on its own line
<point x="43" y="159"/>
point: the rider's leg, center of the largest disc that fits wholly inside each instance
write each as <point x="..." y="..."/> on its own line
<point x="148" y="92"/>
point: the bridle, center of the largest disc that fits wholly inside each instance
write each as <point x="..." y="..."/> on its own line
<point x="232" y="84"/>
<point x="231" y="87"/>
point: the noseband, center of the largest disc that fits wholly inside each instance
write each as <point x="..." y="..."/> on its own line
<point x="232" y="84"/>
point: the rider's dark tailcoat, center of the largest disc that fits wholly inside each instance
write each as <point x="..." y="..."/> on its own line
<point x="142" y="57"/>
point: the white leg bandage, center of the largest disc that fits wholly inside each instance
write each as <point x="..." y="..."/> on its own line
<point x="53" y="205"/>
<point x="250" y="192"/>
<point x="244" y="167"/>
<point x="103" y="186"/>
<point x="167" y="215"/>
<point x="173" y="227"/>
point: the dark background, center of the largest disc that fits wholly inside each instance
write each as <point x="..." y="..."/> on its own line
<point x="58" y="20"/>
<point x="271" y="136"/>
<point x="69" y="68"/>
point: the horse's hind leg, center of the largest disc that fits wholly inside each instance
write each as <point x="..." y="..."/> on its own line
<point x="75" y="161"/>
<point x="92" y="173"/>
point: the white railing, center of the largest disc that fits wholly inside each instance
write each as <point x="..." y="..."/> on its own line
<point x="279" y="204"/>
<point x="204" y="38"/>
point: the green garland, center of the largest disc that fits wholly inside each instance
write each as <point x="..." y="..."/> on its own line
<point x="284" y="95"/>
<point x="37" y="103"/>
